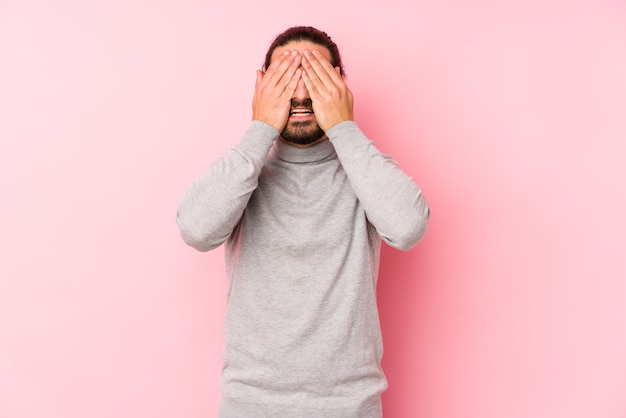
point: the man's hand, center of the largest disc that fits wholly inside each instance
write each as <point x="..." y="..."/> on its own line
<point x="332" y="99"/>
<point x="274" y="88"/>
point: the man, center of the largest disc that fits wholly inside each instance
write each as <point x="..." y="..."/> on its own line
<point x="302" y="203"/>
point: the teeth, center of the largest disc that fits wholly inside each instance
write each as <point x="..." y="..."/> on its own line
<point x="301" y="111"/>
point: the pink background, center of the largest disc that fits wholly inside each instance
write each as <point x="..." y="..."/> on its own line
<point x="511" y="115"/>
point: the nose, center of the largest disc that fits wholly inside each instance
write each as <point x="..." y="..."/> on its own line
<point x="301" y="92"/>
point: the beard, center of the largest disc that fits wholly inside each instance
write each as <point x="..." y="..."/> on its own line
<point x="302" y="132"/>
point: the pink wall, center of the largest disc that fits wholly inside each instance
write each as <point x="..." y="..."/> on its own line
<point x="510" y="115"/>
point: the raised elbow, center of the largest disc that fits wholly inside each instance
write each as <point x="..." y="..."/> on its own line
<point x="195" y="235"/>
<point x="412" y="231"/>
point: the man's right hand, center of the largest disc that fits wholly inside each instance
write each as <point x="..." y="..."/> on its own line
<point x="274" y="89"/>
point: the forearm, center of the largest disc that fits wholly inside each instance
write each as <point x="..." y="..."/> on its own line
<point x="392" y="201"/>
<point x="214" y="203"/>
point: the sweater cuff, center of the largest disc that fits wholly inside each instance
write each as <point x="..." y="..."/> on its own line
<point x="345" y="128"/>
<point x="258" y="138"/>
<point x="345" y="136"/>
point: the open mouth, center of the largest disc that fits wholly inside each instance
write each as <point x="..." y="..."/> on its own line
<point x="301" y="112"/>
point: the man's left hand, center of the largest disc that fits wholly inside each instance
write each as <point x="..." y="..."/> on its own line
<point x="332" y="99"/>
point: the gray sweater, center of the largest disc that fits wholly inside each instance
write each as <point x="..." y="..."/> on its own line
<point x="303" y="229"/>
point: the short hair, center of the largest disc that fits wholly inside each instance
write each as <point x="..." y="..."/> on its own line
<point x="305" y="33"/>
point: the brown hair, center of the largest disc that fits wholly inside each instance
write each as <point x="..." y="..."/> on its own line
<point x="306" y="33"/>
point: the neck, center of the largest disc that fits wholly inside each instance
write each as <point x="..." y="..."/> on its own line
<point x="317" y="141"/>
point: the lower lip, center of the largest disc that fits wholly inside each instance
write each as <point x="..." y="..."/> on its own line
<point x="301" y="116"/>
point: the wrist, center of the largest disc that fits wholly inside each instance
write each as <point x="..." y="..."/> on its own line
<point x="271" y="123"/>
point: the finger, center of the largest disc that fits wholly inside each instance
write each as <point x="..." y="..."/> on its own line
<point x="276" y="69"/>
<point x="291" y="71"/>
<point x="323" y="68"/>
<point x="291" y="87"/>
<point x="275" y="63"/>
<point x="314" y="85"/>
<point x="334" y="73"/>
<point x="281" y="67"/>
<point x="311" y="87"/>
<point x="315" y="70"/>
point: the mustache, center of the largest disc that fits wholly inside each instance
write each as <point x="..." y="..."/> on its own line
<point x="307" y="103"/>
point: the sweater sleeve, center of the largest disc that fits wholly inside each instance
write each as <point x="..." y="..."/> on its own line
<point x="393" y="203"/>
<point x="215" y="202"/>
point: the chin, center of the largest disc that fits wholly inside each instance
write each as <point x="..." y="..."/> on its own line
<point x="302" y="134"/>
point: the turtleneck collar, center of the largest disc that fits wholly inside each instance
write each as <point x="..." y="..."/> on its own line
<point x="291" y="154"/>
